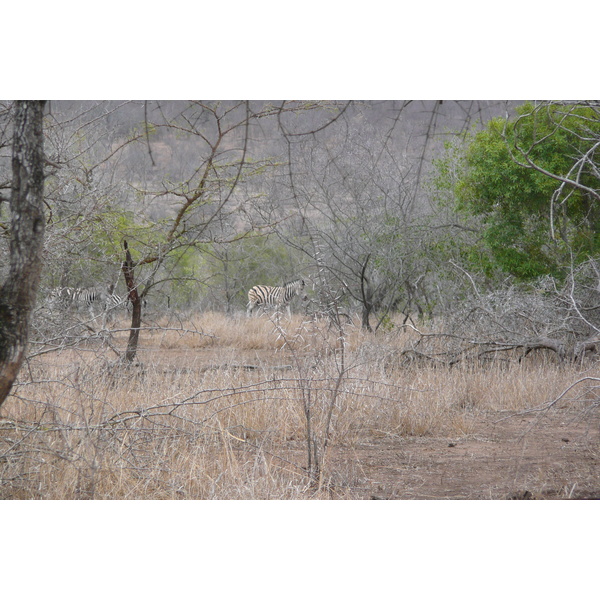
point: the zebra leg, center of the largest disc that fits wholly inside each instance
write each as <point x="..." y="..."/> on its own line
<point x="112" y="301"/>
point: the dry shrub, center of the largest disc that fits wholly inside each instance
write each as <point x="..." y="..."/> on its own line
<point x="217" y="407"/>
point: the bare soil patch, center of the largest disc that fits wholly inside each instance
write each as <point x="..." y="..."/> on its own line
<point x="520" y="456"/>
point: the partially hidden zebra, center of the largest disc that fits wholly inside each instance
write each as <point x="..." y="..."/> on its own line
<point x="82" y="298"/>
<point x="277" y="297"/>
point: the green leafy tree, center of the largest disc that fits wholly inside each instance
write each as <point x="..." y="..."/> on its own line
<point x="533" y="180"/>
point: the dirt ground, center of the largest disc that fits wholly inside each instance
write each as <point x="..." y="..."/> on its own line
<point x="553" y="455"/>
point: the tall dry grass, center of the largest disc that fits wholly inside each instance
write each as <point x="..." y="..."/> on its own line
<point x="229" y="407"/>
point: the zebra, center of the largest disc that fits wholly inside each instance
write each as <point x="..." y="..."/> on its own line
<point x="60" y="298"/>
<point x="80" y="298"/>
<point x="275" y="296"/>
<point x="113" y="302"/>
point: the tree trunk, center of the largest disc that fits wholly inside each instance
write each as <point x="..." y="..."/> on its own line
<point x="366" y="313"/>
<point x="366" y="295"/>
<point x="136" y="303"/>
<point x="17" y="294"/>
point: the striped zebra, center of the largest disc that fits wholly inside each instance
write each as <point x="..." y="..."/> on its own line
<point x="277" y="297"/>
<point x="113" y="302"/>
<point x="60" y="298"/>
<point x="86" y="298"/>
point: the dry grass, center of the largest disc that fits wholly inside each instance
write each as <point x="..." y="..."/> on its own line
<point x="225" y="407"/>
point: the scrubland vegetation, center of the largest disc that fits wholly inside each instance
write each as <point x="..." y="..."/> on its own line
<point x="461" y="237"/>
<point x="225" y="407"/>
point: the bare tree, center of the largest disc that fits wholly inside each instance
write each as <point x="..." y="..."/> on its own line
<point x="357" y="207"/>
<point x="17" y="295"/>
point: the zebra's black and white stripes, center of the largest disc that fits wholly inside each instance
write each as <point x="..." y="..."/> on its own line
<point x="85" y="298"/>
<point x="277" y="297"/>
<point x="114" y="301"/>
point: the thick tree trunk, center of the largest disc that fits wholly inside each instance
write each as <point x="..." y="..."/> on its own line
<point x="17" y="294"/>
